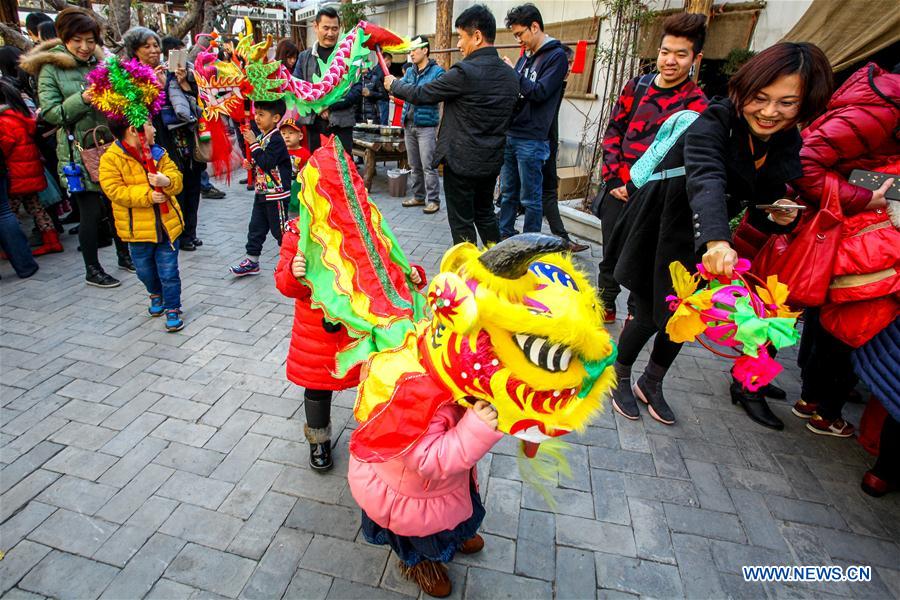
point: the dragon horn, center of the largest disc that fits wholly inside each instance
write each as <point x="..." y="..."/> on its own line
<point x="511" y="258"/>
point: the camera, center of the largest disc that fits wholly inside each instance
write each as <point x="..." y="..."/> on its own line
<point x="74" y="181"/>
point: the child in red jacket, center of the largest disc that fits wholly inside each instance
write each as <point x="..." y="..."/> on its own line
<point x="314" y="344"/>
<point x="26" y="169"/>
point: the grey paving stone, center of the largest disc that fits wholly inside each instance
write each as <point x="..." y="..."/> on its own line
<point x="26" y="464"/>
<point x="18" y="561"/>
<point x="805" y="546"/>
<point x="704" y="451"/>
<point x="254" y="537"/>
<point x="132" y="496"/>
<point x="801" y="511"/>
<point x="17" y="594"/>
<point x="77" y="495"/>
<point x="193" y="489"/>
<point x="651" y="531"/>
<point x="14" y="529"/>
<point x="710" y="489"/>
<point x="241" y="458"/>
<point x="626" y="461"/>
<point x="568" y="502"/>
<point x="273" y="574"/>
<point x="153" y="513"/>
<point x="133" y="462"/>
<point x="637" y="576"/>
<point x="80" y="463"/>
<point x="32" y="437"/>
<point x="66" y="576"/>
<point x="631" y="434"/>
<point x="272" y="405"/>
<point x="294" y="454"/>
<point x="133" y="408"/>
<point x="667" y="457"/>
<point x="207" y="527"/>
<point x="730" y="557"/>
<point x="232" y="431"/>
<point x="609" y="494"/>
<point x="698" y="521"/>
<point x="758" y="481"/>
<point x="575" y="574"/>
<point x="537" y="533"/>
<point x="757" y="520"/>
<point x="485" y="583"/>
<point x="579" y="465"/>
<point x="22" y="493"/>
<point x="192" y="434"/>
<point x="91" y="413"/>
<point x="210" y="570"/>
<point x="341" y="559"/>
<point x="188" y="458"/>
<point x="139" y="576"/>
<point x="325" y="519"/>
<point x="251" y="489"/>
<point x="286" y="429"/>
<point x="83" y="389"/>
<point x="342" y="589"/>
<point x="502" y="507"/>
<point x="133" y="434"/>
<point x="81" y="435"/>
<point x="865" y="549"/>
<point x="179" y="408"/>
<point x="308" y="585"/>
<point x="595" y="535"/>
<point x="695" y="565"/>
<point x="305" y="483"/>
<point x="658" y="488"/>
<point x="848" y="499"/>
<point x="73" y="532"/>
<point x="122" y="545"/>
<point x="224" y="407"/>
<point x="806" y="485"/>
<point x="166" y="589"/>
<point x="499" y="554"/>
<point x="394" y="580"/>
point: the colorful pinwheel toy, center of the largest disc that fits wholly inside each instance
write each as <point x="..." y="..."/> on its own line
<point x="745" y="314"/>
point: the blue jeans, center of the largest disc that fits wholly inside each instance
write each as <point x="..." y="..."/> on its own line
<point x="384" y="111"/>
<point x="205" y="185"/>
<point x="521" y="182"/>
<point x="157" y="268"/>
<point x="12" y="240"/>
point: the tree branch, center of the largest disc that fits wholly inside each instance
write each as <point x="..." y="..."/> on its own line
<point x="12" y="37"/>
<point x="187" y="22"/>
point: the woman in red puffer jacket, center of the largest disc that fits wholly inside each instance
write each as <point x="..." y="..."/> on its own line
<point x="860" y="130"/>
<point x="311" y="356"/>
<point x="26" y="168"/>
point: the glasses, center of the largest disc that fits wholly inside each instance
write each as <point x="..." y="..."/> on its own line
<point x="518" y="34"/>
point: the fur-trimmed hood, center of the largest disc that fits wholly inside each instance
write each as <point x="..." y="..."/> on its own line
<point x="52" y="52"/>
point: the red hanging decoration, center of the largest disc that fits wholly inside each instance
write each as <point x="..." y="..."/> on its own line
<point x="580" y="57"/>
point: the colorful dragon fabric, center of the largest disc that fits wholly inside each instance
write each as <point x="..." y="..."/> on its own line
<point x="517" y="326"/>
<point x="358" y="274"/>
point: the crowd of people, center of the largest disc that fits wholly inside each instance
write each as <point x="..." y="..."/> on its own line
<point x="779" y="150"/>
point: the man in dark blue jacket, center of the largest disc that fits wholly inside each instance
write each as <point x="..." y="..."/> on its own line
<point x="420" y="123"/>
<point x="541" y="71"/>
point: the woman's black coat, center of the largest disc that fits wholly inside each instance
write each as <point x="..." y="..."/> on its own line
<point x="673" y="219"/>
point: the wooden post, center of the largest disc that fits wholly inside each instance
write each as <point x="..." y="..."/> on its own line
<point x="701" y="7"/>
<point x="443" y="30"/>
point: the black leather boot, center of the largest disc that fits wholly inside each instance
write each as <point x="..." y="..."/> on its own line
<point x="649" y="389"/>
<point x="319" y="447"/>
<point x="754" y="404"/>
<point x="773" y="391"/>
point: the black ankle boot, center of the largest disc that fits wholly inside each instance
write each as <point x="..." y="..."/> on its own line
<point x="319" y="439"/>
<point x="623" y="399"/>
<point x="649" y="389"/>
<point x="754" y="403"/>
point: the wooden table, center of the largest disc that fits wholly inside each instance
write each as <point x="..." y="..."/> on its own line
<point x="373" y="147"/>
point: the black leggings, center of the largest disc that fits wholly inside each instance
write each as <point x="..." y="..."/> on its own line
<point x="94" y="209"/>
<point x="638" y="331"/>
<point x="317" y="404"/>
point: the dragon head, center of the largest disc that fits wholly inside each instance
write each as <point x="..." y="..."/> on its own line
<point x="520" y="327"/>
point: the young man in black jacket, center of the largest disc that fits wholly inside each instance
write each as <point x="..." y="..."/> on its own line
<point x="541" y="71"/>
<point x="479" y="94"/>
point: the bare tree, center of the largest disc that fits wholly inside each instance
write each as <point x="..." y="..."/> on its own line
<point x="13" y="37"/>
<point x="443" y="30"/>
<point x="119" y="17"/>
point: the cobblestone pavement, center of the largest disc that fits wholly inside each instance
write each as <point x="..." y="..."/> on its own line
<point x="138" y="463"/>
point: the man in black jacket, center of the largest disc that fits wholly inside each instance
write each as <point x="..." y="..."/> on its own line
<point x="339" y="118"/>
<point x="541" y="71"/>
<point x="479" y="94"/>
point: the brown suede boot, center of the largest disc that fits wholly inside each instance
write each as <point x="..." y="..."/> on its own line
<point x="472" y="545"/>
<point x="432" y="577"/>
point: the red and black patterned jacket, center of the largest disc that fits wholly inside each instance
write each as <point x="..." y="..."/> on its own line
<point x="625" y="141"/>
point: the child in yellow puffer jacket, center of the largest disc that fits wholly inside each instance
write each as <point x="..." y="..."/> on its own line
<point x="149" y="220"/>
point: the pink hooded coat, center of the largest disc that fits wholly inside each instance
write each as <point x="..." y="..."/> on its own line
<point x="427" y="489"/>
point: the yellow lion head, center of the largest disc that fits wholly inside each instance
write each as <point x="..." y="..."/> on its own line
<point x="519" y="326"/>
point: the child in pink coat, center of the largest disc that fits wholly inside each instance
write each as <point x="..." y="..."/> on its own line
<point x="424" y="504"/>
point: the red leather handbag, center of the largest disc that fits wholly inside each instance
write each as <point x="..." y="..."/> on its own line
<point x="804" y="260"/>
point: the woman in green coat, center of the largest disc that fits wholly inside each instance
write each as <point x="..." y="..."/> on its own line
<point x="60" y="67"/>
